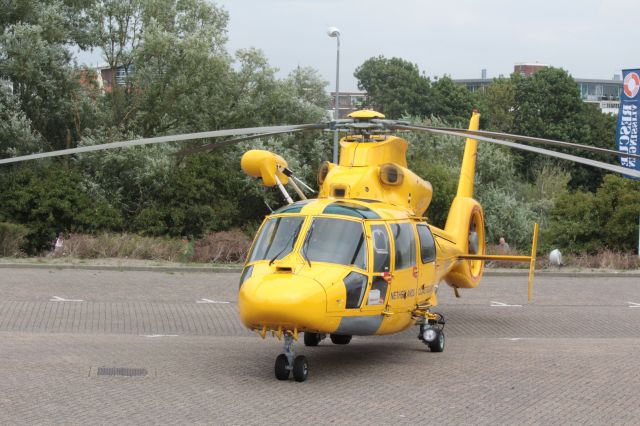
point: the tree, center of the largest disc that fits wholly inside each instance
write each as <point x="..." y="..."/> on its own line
<point x="35" y="58"/>
<point x="497" y="103"/>
<point x="584" y="221"/>
<point x="394" y="87"/>
<point x="16" y="135"/>
<point x="450" y="101"/>
<point x="49" y="200"/>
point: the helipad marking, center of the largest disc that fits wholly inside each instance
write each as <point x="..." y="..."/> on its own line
<point x="210" y="301"/>
<point x="62" y="299"/>
<point x="495" y="304"/>
<point x="634" y="305"/>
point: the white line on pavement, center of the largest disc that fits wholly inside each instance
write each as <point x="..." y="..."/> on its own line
<point x="495" y="304"/>
<point x="62" y="299"/>
<point x="634" y="305"/>
<point x="210" y="301"/>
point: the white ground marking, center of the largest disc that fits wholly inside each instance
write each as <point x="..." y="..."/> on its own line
<point x="634" y="305"/>
<point x="495" y="304"/>
<point x="62" y="299"/>
<point x="210" y="301"/>
<point x="160" y="335"/>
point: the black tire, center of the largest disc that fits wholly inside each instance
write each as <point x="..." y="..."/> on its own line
<point x="340" y="339"/>
<point x="300" y="368"/>
<point x="312" y="339"/>
<point x="282" y="372"/>
<point x="438" y="343"/>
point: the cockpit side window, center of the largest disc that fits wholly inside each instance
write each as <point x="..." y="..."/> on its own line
<point x="427" y="244"/>
<point x="405" y="245"/>
<point x="381" y="248"/>
<point x="277" y="238"/>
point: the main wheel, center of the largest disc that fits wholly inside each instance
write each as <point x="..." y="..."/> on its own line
<point x="340" y="339"/>
<point x="282" y="372"/>
<point x="312" y="339"/>
<point x="437" y="345"/>
<point x="300" y="368"/>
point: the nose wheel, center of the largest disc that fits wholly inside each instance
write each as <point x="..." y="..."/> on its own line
<point x="288" y="362"/>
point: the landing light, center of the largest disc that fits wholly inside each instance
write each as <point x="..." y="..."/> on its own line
<point x="429" y="335"/>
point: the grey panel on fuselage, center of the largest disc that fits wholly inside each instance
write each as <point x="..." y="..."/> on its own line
<point x="359" y="326"/>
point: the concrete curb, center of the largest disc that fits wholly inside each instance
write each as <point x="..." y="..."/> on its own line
<point x="238" y="269"/>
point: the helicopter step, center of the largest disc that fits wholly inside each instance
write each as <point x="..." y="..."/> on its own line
<point x="432" y="331"/>
<point x="288" y="362"/>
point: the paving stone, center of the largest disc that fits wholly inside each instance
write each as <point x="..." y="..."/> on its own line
<point x="570" y="357"/>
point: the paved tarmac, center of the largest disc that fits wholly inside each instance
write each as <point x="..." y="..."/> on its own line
<point x="139" y="347"/>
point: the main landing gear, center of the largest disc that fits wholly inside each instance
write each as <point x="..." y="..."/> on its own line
<point x="288" y="362"/>
<point x="432" y="332"/>
<point x="314" y="339"/>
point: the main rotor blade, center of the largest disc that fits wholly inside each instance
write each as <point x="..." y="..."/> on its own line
<point x="537" y="140"/>
<point x="561" y="155"/>
<point x="165" y="139"/>
<point x="216" y="145"/>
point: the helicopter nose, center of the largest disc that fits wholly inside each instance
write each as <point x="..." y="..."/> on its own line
<point x="282" y="300"/>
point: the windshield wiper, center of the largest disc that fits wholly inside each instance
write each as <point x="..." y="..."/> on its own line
<point x="292" y="237"/>
<point x="305" y="246"/>
<point x="357" y="252"/>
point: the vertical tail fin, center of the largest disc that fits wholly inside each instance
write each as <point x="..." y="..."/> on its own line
<point x="468" y="169"/>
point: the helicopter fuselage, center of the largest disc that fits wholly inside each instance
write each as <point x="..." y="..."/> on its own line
<point x="352" y="267"/>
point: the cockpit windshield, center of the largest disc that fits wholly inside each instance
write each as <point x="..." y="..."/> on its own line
<point x="336" y="241"/>
<point x="277" y="238"/>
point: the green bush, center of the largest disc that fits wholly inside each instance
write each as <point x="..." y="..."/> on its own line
<point x="586" y="222"/>
<point x="11" y="238"/>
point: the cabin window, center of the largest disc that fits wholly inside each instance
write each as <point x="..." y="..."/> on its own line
<point x="277" y="238"/>
<point x="405" y="245"/>
<point x="378" y="291"/>
<point x="355" y="285"/>
<point x="293" y="208"/>
<point x="336" y="241"/>
<point x="427" y="244"/>
<point x="350" y="209"/>
<point x="381" y="249"/>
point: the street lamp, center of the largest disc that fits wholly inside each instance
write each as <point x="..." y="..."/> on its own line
<point x="334" y="32"/>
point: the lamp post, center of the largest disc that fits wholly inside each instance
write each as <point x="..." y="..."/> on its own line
<point x="334" y="32"/>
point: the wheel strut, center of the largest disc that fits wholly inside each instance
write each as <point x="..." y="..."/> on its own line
<point x="288" y="362"/>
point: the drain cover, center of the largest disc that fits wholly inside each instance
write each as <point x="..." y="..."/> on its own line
<point x="121" y="371"/>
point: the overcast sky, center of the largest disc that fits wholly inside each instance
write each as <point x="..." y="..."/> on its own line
<point x="455" y="37"/>
<point x="589" y="38"/>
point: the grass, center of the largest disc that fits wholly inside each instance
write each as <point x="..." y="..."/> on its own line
<point x="220" y="247"/>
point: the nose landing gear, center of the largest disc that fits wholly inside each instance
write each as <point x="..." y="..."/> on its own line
<point x="288" y="362"/>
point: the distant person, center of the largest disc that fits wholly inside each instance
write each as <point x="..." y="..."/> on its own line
<point x="58" y="246"/>
<point x="187" y="247"/>
<point x="503" y="246"/>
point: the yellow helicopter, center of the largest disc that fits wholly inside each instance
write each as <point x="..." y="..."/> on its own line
<point x="361" y="258"/>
